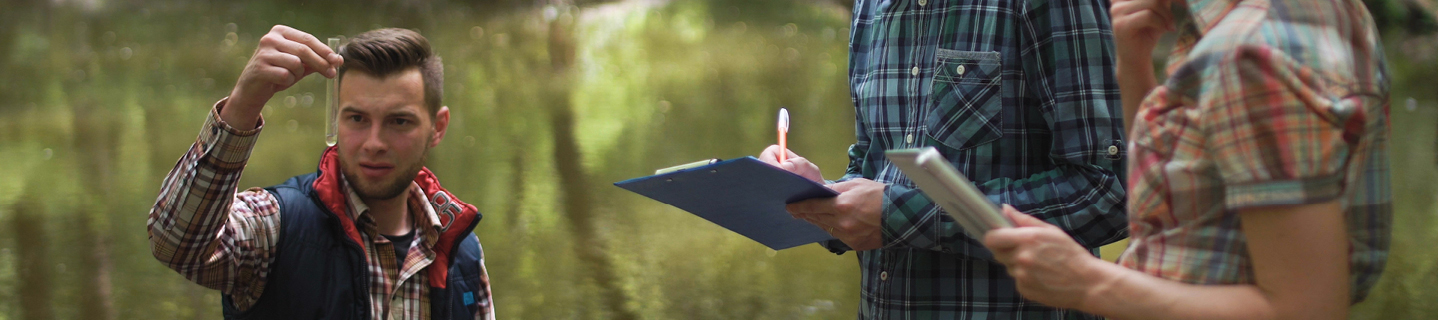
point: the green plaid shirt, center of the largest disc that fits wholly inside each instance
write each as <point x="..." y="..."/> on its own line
<point x="1021" y="97"/>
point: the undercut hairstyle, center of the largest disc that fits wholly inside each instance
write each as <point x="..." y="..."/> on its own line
<point x="386" y="52"/>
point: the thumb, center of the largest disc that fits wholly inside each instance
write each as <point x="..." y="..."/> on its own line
<point x="1021" y="219"/>
<point x="842" y="187"/>
<point x="788" y="165"/>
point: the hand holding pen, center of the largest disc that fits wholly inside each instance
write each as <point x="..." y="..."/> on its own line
<point x="779" y="155"/>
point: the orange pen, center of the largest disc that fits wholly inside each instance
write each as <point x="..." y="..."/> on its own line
<point x="783" y="134"/>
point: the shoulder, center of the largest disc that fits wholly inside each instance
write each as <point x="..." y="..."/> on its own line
<point x="296" y="200"/>
<point x="1321" y="49"/>
<point x="470" y="249"/>
<point x="295" y="188"/>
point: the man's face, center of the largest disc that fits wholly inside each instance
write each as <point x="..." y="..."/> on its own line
<point x="385" y="131"/>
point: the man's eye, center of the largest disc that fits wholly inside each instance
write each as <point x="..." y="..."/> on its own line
<point x="354" y="118"/>
<point x="401" y="121"/>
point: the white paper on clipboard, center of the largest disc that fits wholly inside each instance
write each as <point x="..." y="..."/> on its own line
<point x="948" y="188"/>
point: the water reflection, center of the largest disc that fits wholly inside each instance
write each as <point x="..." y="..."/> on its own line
<point x="552" y="104"/>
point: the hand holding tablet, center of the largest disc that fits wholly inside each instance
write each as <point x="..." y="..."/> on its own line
<point x="949" y="189"/>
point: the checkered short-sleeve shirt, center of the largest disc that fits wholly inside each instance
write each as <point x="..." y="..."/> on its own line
<point x="1269" y="102"/>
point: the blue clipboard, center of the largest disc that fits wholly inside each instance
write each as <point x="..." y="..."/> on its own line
<point x="744" y="195"/>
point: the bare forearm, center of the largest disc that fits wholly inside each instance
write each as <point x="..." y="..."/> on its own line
<point x="1130" y="294"/>
<point x="1135" y="80"/>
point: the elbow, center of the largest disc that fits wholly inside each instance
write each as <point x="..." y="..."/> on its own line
<point x="155" y="230"/>
<point x="157" y="249"/>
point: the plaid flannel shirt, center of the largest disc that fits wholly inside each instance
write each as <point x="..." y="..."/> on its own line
<point x="1269" y="102"/>
<point x="225" y="240"/>
<point x="1020" y="96"/>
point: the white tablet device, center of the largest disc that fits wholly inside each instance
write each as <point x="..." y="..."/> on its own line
<point x="948" y="188"/>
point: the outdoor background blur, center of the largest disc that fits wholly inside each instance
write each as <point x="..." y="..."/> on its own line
<point x="553" y="101"/>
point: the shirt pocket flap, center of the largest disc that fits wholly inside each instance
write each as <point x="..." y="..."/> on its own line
<point x="967" y="99"/>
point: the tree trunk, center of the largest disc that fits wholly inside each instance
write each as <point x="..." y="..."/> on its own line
<point x="97" y="133"/>
<point x="34" y="260"/>
<point x="93" y="290"/>
<point x="589" y="246"/>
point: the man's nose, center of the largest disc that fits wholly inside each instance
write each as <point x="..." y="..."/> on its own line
<point x="373" y="141"/>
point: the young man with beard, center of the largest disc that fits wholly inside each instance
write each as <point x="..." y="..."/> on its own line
<point x="370" y="235"/>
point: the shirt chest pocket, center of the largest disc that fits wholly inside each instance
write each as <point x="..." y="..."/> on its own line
<point x="966" y="105"/>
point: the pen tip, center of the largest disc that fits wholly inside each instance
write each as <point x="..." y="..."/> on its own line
<point x="783" y="119"/>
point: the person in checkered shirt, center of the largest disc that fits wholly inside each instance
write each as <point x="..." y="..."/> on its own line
<point x="1259" y="175"/>
<point x="1020" y="97"/>
<point x="371" y="234"/>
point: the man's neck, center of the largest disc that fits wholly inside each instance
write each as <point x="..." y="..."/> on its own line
<point x="391" y="216"/>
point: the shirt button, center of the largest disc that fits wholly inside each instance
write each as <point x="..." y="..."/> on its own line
<point x="884" y="275"/>
<point x="914" y="71"/>
<point x="960" y="70"/>
<point x="923" y="2"/>
<point x="1113" y="150"/>
<point x="909" y="138"/>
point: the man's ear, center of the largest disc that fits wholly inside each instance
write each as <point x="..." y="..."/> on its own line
<point x="441" y="123"/>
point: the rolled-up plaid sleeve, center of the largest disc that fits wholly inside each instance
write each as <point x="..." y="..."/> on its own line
<point x="205" y="230"/>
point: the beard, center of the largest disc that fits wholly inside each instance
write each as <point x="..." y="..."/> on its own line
<point x="388" y="188"/>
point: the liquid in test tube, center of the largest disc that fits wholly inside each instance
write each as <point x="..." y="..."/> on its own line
<point x="332" y="114"/>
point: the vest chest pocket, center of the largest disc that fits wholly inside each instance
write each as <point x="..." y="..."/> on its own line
<point x="967" y="102"/>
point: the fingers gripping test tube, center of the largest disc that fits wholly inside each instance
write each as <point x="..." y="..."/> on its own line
<point x="332" y="88"/>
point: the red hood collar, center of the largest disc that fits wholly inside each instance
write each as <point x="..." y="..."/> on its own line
<point x="456" y="218"/>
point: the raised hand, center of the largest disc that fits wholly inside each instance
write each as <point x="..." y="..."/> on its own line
<point x="1137" y="26"/>
<point x="284" y="56"/>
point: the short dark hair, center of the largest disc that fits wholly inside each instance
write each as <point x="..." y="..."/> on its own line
<point x="385" y="52"/>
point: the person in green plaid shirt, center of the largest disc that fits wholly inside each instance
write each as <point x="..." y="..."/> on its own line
<point x="1021" y="97"/>
<point x="1259" y="169"/>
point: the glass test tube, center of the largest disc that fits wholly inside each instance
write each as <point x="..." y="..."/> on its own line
<point x="332" y="114"/>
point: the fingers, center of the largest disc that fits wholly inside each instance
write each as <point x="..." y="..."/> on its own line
<point x="1004" y="244"/>
<point x="810" y="211"/>
<point x="1021" y="219"/>
<point x="788" y="165"/>
<point x="1005" y="240"/>
<point x="1124" y="7"/>
<point x="797" y="161"/>
<point x="770" y="155"/>
<point x="804" y="168"/>
<point x="309" y="60"/>
<point x="845" y="186"/>
<point x="317" y="55"/>
<point x="1137" y="15"/>
<point x="278" y="77"/>
<point x="795" y="164"/>
<point x="1144" y="21"/>
<point x="291" y="64"/>
<point x="812" y="206"/>
<point x="1141" y="14"/>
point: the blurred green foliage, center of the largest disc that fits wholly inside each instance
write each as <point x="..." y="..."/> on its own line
<point x="553" y="102"/>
